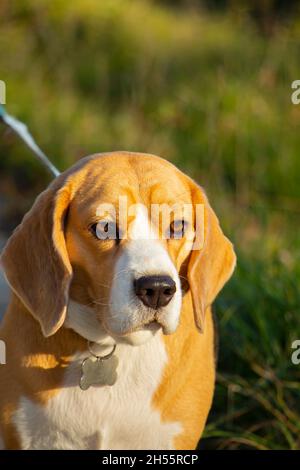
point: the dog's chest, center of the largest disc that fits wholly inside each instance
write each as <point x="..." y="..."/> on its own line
<point x="121" y="416"/>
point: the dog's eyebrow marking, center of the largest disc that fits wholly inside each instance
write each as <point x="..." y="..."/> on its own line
<point x="129" y="193"/>
<point x="170" y="199"/>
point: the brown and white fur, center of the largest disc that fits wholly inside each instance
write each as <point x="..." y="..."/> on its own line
<point x="68" y="287"/>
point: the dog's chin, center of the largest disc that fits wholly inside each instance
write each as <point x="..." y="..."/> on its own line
<point x="137" y="336"/>
<point x="100" y="329"/>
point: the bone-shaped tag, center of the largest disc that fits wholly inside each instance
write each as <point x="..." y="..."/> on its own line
<point x="97" y="371"/>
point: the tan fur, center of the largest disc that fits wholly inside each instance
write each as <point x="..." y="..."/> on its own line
<point x="52" y="256"/>
<point x="187" y="396"/>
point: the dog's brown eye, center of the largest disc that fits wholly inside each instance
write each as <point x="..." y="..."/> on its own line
<point x="105" y="230"/>
<point x="177" y="228"/>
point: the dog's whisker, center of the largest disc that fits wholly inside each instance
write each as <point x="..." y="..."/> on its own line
<point x="123" y="271"/>
<point x="99" y="284"/>
<point x="98" y="302"/>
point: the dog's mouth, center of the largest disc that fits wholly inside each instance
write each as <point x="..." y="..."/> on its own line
<point x="136" y="334"/>
<point x="148" y="324"/>
<point x="152" y="326"/>
<point x="149" y="330"/>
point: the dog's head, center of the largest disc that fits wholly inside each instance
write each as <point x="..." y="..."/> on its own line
<point x="124" y="235"/>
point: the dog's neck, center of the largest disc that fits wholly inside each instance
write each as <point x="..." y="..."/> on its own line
<point x="83" y="321"/>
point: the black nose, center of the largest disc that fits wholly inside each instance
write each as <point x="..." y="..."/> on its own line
<point x="155" y="291"/>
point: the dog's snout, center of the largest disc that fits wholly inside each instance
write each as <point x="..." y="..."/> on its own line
<point x="155" y="291"/>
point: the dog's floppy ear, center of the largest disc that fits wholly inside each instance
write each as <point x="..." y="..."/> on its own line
<point x="211" y="264"/>
<point x="36" y="262"/>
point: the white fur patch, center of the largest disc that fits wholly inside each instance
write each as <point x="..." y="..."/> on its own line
<point x="83" y="320"/>
<point x="142" y="256"/>
<point x="117" y="417"/>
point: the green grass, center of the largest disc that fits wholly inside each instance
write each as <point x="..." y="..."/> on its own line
<point x="211" y="94"/>
<point x="257" y="398"/>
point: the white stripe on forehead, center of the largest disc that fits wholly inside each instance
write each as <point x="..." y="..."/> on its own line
<point x="144" y="254"/>
<point x="140" y="228"/>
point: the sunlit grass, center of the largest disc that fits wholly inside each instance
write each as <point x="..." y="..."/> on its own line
<point x="257" y="399"/>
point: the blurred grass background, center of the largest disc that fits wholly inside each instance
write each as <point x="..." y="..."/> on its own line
<point x="206" y="85"/>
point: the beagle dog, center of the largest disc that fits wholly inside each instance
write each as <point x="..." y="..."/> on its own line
<point x="110" y="339"/>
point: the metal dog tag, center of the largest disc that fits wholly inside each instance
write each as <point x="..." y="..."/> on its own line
<point x="98" y="371"/>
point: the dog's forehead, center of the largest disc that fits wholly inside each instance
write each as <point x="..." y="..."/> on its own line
<point x="141" y="178"/>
